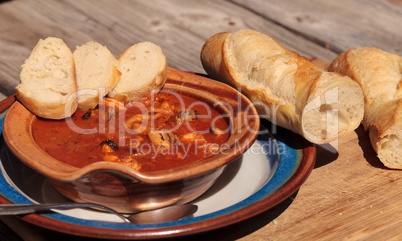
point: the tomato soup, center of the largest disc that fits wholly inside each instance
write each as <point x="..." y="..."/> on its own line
<point x="159" y="132"/>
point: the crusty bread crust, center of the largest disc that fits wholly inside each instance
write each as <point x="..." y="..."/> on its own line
<point x="97" y="73"/>
<point x="286" y="88"/>
<point x="144" y="70"/>
<point x="379" y="75"/>
<point x="48" y="87"/>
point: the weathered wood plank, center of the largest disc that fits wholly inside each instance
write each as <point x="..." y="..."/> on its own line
<point x="339" y="24"/>
<point x="179" y="27"/>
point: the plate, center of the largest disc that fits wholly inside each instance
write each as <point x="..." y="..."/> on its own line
<point x="268" y="173"/>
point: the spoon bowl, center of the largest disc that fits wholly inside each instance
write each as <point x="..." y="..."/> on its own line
<point x="166" y="214"/>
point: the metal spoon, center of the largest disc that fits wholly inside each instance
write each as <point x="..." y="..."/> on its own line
<point x="166" y="214"/>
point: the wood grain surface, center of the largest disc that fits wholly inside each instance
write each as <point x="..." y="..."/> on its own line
<point x="349" y="195"/>
<point x="312" y="28"/>
<point x="338" y="25"/>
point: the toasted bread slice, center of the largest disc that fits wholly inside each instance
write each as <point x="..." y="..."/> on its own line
<point x="144" y="70"/>
<point x="48" y="87"/>
<point x="97" y="73"/>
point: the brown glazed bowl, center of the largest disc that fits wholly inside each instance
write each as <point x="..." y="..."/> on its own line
<point x="125" y="189"/>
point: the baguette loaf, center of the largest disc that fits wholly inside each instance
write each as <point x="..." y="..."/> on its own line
<point x="286" y="88"/>
<point x="48" y="87"/>
<point x="97" y="73"/>
<point x="380" y="75"/>
<point x="144" y="70"/>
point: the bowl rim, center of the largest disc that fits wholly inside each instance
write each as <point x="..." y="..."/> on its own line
<point x="18" y="137"/>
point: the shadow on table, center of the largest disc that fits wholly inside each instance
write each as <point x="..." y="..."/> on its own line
<point x="368" y="152"/>
<point x="325" y="154"/>
<point x="243" y="228"/>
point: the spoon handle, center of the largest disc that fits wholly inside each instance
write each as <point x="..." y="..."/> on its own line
<point x="15" y="209"/>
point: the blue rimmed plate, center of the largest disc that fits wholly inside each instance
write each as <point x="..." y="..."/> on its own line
<point x="268" y="173"/>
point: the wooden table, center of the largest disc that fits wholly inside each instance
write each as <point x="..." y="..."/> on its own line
<point x="349" y="194"/>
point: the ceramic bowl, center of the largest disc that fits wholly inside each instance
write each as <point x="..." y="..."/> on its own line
<point x="125" y="189"/>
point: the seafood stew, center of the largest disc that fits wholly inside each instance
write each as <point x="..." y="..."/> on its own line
<point x="158" y="132"/>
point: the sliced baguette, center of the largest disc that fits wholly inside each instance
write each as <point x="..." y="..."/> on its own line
<point x="380" y="75"/>
<point x="97" y="73"/>
<point x="48" y="87"/>
<point x="144" y="70"/>
<point x="286" y="88"/>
